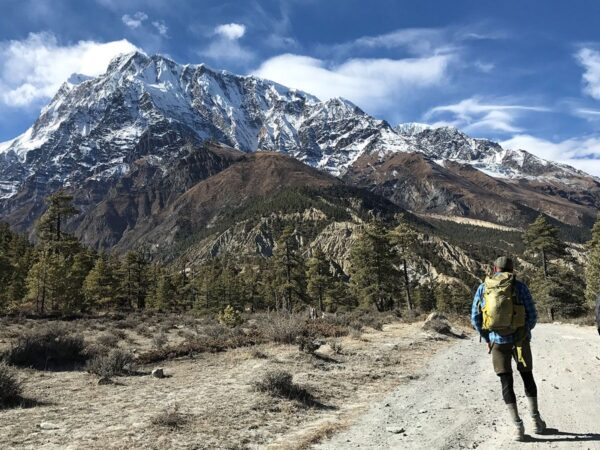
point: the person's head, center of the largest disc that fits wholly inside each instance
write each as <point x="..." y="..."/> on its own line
<point x="503" y="264"/>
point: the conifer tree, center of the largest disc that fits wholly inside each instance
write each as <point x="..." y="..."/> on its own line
<point x="373" y="276"/>
<point x="541" y="237"/>
<point x="290" y="267"/>
<point x="404" y="237"/>
<point x="134" y="283"/>
<point x="319" y="277"/>
<point x="99" y="284"/>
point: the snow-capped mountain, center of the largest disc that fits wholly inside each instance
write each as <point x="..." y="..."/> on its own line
<point x="140" y="127"/>
<point x="149" y="106"/>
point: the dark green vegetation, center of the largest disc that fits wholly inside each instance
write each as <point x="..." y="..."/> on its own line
<point x="385" y="249"/>
<point x="10" y="387"/>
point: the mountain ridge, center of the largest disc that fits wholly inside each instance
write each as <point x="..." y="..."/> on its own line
<point x="141" y="121"/>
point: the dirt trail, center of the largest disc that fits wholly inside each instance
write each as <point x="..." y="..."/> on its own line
<point x="456" y="403"/>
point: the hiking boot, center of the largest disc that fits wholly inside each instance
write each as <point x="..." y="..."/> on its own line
<point x="539" y="426"/>
<point x="519" y="431"/>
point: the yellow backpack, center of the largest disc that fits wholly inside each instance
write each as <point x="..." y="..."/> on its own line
<point x="501" y="311"/>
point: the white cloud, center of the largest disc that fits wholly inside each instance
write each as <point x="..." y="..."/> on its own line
<point x="134" y="21"/>
<point x="590" y="60"/>
<point x="372" y="84"/>
<point x="474" y="115"/>
<point x="161" y="27"/>
<point x="34" y="68"/>
<point x="231" y="31"/>
<point x="581" y="153"/>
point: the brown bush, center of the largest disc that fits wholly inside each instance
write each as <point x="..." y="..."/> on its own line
<point x="10" y="387"/>
<point x="51" y="347"/>
<point x="115" y="362"/>
<point x="282" y="328"/>
<point x="279" y="384"/>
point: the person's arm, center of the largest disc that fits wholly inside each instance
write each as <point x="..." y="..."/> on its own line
<point x="476" y="315"/>
<point x="530" y="311"/>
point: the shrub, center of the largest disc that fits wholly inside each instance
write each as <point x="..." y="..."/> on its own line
<point x="10" y="387"/>
<point x="159" y="340"/>
<point x="283" y="328"/>
<point x="437" y="322"/>
<point x="279" y="384"/>
<point x="108" y="340"/>
<point x="49" y="348"/>
<point x="170" y="418"/>
<point x="230" y="317"/>
<point x="323" y="328"/>
<point x="115" y="362"/>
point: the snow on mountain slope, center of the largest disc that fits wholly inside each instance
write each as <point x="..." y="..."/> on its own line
<point x="149" y="107"/>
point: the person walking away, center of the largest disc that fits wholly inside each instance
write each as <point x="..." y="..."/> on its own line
<point x="503" y="313"/>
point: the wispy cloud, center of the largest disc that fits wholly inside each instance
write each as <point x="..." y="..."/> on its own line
<point x="371" y="83"/>
<point x="416" y="41"/>
<point x="581" y="153"/>
<point x="476" y="115"/>
<point x="34" y="68"/>
<point x="134" y="21"/>
<point x="161" y="27"/>
<point x="590" y="60"/>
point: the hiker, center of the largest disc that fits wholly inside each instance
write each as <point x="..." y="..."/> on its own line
<point x="504" y="314"/>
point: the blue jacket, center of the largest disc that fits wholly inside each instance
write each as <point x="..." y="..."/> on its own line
<point x="523" y="296"/>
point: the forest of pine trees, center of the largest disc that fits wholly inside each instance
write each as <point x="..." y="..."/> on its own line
<point x="59" y="275"/>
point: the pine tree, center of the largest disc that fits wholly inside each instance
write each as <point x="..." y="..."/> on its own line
<point x="134" y="283"/>
<point x="53" y="281"/>
<point x="404" y="237"/>
<point x="290" y="268"/>
<point x="373" y="276"/>
<point x="592" y="268"/>
<point x="163" y="297"/>
<point x="50" y="227"/>
<point x="99" y="285"/>
<point x="425" y="298"/>
<point x="320" y="279"/>
<point x="541" y="237"/>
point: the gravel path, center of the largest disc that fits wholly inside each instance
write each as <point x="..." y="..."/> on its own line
<point x="456" y="403"/>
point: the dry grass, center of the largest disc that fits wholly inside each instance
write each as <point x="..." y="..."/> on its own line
<point x="171" y="418"/>
<point x="222" y="410"/>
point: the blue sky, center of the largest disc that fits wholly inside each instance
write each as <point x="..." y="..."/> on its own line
<point x="526" y="74"/>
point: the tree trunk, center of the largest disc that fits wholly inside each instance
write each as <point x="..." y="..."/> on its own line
<point x="407" y="286"/>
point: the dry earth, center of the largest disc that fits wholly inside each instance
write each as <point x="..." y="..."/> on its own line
<point x="214" y="394"/>
<point x="456" y="403"/>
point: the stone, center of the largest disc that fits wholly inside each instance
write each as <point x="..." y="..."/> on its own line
<point x="48" y="426"/>
<point x="395" y="430"/>
<point x="158" y="373"/>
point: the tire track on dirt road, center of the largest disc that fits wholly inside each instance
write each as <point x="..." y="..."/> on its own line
<point x="457" y="402"/>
